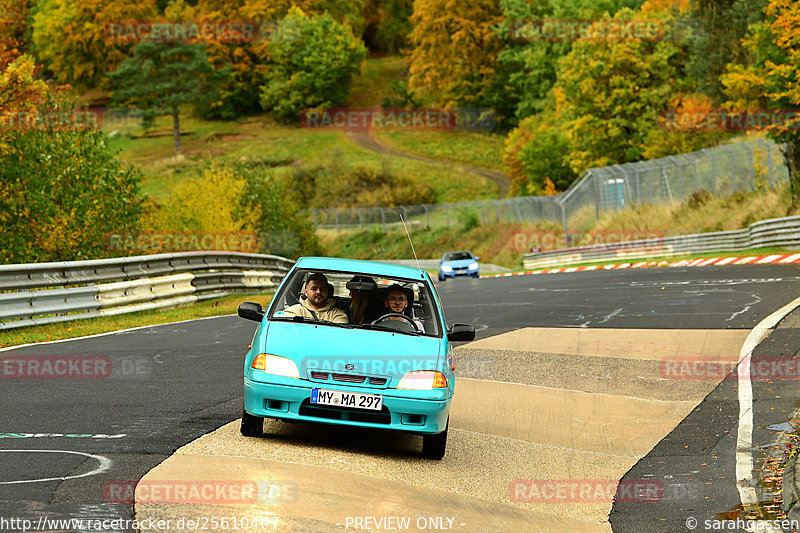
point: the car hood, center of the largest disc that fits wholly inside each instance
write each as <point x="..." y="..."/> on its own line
<point x="461" y="263"/>
<point x="368" y="352"/>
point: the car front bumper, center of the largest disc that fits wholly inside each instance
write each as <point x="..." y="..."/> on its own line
<point x="459" y="273"/>
<point x="292" y="402"/>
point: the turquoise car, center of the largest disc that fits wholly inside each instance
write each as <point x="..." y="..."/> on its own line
<point x="353" y="343"/>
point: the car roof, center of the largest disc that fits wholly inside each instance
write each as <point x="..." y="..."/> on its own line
<point x="375" y="268"/>
<point x="458" y="252"/>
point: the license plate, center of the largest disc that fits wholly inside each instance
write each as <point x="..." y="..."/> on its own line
<point x="346" y="399"/>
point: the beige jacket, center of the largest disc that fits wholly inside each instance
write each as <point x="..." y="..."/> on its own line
<point x="328" y="312"/>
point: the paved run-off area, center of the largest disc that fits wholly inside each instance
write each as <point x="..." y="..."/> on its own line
<point x="544" y="423"/>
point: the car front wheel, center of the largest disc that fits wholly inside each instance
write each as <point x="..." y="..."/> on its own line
<point x="433" y="446"/>
<point x="252" y="426"/>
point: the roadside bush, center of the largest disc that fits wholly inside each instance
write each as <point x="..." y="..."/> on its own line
<point x="62" y="191"/>
<point x="336" y="186"/>
<point x="468" y="219"/>
<point x="269" y="207"/>
<point x="208" y="202"/>
<point x="313" y="60"/>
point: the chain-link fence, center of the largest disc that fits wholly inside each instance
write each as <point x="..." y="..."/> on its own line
<point x="722" y="170"/>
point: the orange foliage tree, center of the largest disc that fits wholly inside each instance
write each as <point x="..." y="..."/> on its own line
<point x="771" y="80"/>
<point x="454" y="50"/>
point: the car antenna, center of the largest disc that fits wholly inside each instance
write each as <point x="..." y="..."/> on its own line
<point x="412" y="244"/>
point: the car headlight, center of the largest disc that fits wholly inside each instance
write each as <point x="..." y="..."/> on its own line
<point x="446" y="268"/>
<point x="473" y="266"/>
<point x="273" y="364"/>
<point x="423" y="380"/>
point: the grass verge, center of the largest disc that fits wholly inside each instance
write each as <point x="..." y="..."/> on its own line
<point x="224" y="305"/>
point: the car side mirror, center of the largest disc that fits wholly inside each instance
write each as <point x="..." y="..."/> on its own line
<point x="461" y="332"/>
<point x="477" y="258"/>
<point x="251" y="311"/>
<point x="439" y="261"/>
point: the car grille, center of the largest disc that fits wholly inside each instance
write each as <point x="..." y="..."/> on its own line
<point x="349" y="378"/>
<point x="344" y="413"/>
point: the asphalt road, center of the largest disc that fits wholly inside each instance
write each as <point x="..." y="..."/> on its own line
<point x="170" y="384"/>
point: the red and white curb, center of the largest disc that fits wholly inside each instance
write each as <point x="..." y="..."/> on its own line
<point x="749" y="260"/>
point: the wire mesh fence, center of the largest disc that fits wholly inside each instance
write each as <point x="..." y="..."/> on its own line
<point x="722" y="170"/>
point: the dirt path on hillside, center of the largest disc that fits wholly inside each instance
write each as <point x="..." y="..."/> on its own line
<point x="365" y="140"/>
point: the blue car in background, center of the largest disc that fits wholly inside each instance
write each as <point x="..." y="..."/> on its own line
<point x="454" y="264"/>
<point x="353" y="361"/>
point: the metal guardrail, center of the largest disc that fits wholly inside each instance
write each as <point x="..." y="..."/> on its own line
<point x="771" y="232"/>
<point x="44" y="293"/>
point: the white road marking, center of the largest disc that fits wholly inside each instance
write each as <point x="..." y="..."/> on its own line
<point x="744" y="434"/>
<point x="104" y="464"/>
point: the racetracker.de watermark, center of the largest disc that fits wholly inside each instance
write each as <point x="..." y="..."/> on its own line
<point x="730" y="121"/>
<point x="189" y="31"/>
<point x="74" y="367"/>
<point x="277" y="242"/>
<point x="92" y="118"/>
<point x="698" y="369"/>
<point x="211" y="492"/>
<point x="585" y="491"/>
<point x="363" y="119"/>
<point x="541" y="240"/>
<point x="609" y="30"/>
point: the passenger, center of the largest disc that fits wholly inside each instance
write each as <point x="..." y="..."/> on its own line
<point x="359" y="301"/>
<point x="315" y="302"/>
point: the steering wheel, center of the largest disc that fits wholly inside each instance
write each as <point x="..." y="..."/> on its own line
<point x="389" y="316"/>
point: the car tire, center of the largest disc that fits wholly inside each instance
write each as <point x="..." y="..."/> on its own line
<point x="252" y="426"/>
<point x="442" y="278"/>
<point x="433" y="446"/>
<point x="476" y="275"/>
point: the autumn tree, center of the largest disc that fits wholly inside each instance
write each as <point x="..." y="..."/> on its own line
<point x="770" y="79"/>
<point x="454" y="50"/>
<point x="161" y="78"/>
<point x="614" y="91"/>
<point x="536" y="156"/>
<point x="13" y="28"/>
<point x="313" y="60"/>
<point x="70" y="37"/>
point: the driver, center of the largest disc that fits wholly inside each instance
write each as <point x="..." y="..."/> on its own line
<point x="315" y="302"/>
<point x="396" y="302"/>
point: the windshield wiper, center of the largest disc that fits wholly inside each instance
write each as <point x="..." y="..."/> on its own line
<point x="387" y="328"/>
<point x="298" y="318"/>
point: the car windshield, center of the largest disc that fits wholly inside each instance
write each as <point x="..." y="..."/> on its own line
<point x="457" y="256"/>
<point x="366" y="303"/>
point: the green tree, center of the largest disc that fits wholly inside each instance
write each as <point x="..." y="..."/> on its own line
<point x="716" y="32"/>
<point x="160" y="78"/>
<point x="771" y="79"/>
<point x="531" y="61"/>
<point x="269" y="203"/>
<point x="313" y="60"/>
<point x="388" y="25"/>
